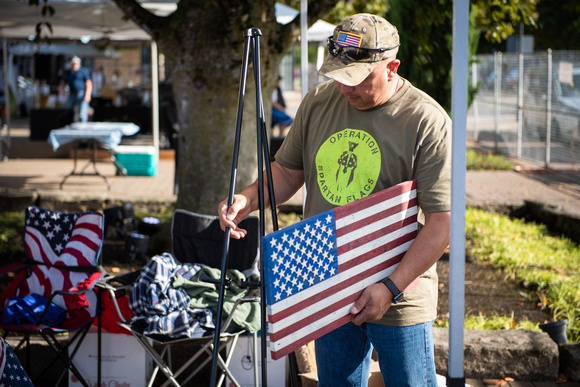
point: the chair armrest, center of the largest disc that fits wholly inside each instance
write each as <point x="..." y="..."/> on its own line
<point x="118" y="286"/>
<point x="242" y="300"/>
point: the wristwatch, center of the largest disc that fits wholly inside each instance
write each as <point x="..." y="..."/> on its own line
<point x="397" y="294"/>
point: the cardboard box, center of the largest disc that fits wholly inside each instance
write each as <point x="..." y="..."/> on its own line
<point x="242" y="365"/>
<point x="138" y="160"/>
<point x="123" y="361"/>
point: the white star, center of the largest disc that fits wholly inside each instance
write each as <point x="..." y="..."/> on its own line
<point x="55" y="216"/>
<point x="300" y="286"/>
<point x="46" y="225"/>
<point x="311" y="281"/>
<point x="277" y="283"/>
<point x="58" y="248"/>
<point x="42" y="215"/>
<point x="278" y="296"/>
<point x="285" y="237"/>
<point x="56" y="228"/>
<point x="50" y="235"/>
<point x="318" y="223"/>
<point x="66" y="237"/>
<point x="273" y="242"/>
<point x="328" y="218"/>
<point x="331" y="271"/>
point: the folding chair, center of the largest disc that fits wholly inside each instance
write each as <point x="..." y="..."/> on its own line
<point x="53" y="290"/>
<point x="167" y="313"/>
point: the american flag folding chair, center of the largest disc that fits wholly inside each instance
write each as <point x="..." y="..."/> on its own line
<point x="164" y="314"/>
<point x="53" y="292"/>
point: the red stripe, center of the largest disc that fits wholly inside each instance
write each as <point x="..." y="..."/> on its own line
<point x="377" y="197"/>
<point x="375" y="235"/>
<point x="351" y="227"/>
<point x="312" y="336"/>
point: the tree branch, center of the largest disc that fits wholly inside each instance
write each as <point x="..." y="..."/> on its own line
<point x="142" y="17"/>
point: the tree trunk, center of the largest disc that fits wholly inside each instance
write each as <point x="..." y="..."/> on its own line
<point x="203" y="46"/>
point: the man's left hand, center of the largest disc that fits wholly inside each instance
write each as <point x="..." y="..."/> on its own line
<point x="372" y="304"/>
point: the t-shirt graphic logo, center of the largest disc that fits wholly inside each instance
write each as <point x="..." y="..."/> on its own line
<point x="348" y="166"/>
<point x="346" y="163"/>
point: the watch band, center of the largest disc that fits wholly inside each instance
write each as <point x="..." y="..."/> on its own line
<point x="397" y="294"/>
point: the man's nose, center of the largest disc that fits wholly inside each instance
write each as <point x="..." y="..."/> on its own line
<point x="345" y="88"/>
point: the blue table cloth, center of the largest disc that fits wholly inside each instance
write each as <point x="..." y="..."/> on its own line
<point x="107" y="134"/>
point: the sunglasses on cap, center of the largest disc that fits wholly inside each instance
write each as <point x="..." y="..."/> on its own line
<point x="355" y="53"/>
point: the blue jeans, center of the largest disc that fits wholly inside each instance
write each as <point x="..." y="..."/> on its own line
<point x="78" y="99"/>
<point x="406" y="355"/>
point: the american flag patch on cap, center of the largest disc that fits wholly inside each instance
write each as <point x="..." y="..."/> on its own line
<point x="348" y="39"/>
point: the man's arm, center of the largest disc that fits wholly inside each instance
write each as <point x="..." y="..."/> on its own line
<point x="425" y="250"/>
<point x="286" y="183"/>
<point x="88" y="90"/>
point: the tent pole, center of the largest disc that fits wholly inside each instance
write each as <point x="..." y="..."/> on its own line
<point x="155" y="96"/>
<point x="6" y="97"/>
<point x="455" y="376"/>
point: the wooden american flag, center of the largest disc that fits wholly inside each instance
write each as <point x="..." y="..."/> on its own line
<point x="316" y="268"/>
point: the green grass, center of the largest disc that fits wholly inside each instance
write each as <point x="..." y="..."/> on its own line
<point x="11" y="229"/>
<point x="492" y="322"/>
<point x="476" y="160"/>
<point x="540" y="262"/>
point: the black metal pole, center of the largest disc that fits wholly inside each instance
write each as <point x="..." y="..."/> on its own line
<point x="251" y="43"/>
<point x="222" y="280"/>
<point x="261" y="145"/>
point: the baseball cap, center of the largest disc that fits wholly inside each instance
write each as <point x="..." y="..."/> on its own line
<point x="376" y="40"/>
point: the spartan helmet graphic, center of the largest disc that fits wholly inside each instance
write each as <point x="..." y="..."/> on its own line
<point x="346" y="162"/>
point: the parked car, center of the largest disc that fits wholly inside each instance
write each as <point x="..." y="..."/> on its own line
<point x="565" y="108"/>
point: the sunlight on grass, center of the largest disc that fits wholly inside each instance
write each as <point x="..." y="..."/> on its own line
<point x="486" y="161"/>
<point x="540" y="262"/>
<point x="492" y="322"/>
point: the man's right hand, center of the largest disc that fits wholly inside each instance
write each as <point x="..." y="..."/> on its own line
<point x="234" y="215"/>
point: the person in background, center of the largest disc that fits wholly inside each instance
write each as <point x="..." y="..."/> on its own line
<point x="280" y="119"/>
<point x="391" y="132"/>
<point x="80" y="86"/>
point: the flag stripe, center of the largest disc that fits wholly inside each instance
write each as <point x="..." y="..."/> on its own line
<point x="278" y="353"/>
<point x="372" y="222"/>
<point x="395" y="231"/>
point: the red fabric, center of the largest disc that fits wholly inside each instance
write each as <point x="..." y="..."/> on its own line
<point x="110" y="318"/>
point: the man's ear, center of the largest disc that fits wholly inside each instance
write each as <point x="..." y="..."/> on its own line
<point x="393" y="66"/>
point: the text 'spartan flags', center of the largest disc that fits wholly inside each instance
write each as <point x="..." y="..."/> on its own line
<point x="316" y="268"/>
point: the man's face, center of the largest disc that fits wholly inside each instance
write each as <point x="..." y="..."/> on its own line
<point x="75" y="66"/>
<point x="375" y="90"/>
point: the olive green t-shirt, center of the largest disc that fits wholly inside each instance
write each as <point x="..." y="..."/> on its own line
<point x="348" y="154"/>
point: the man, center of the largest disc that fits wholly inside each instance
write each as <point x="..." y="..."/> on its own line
<point x="280" y="119"/>
<point x="80" y="86"/>
<point x="369" y="130"/>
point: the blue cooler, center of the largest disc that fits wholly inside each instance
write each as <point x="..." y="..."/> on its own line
<point x="137" y="160"/>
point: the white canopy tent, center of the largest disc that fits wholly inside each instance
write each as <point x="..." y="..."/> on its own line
<point x="72" y="22"/>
